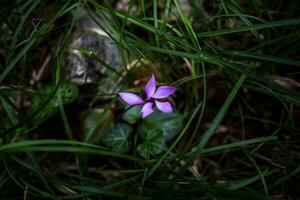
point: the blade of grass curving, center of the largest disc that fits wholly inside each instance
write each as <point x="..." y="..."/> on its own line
<point x="224" y="7"/>
<point x="247" y="117"/>
<point x="212" y="18"/>
<point x="217" y="120"/>
<point x="187" y="79"/>
<point x="143" y="8"/>
<point x="30" y="6"/>
<point x="245" y="182"/>
<point x="166" y="15"/>
<point x="122" y="183"/>
<point x="263" y="57"/>
<point x="188" y="26"/>
<point x="97" y="121"/>
<point x="278" y="40"/>
<point x="204" y="185"/>
<point x="247" y="194"/>
<point x="120" y="171"/>
<point x="201" y="56"/>
<point x="114" y="32"/>
<point x="8" y="9"/>
<point x="271" y="92"/>
<point x="146" y="26"/>
<point x="284" y="178"/>
<point x="16" y="59"/>
<point x="239" y="144"/>
<point x="245" y="20"/>
<point x="23" y="124"/>
<point x="60" y="103"/>
<point x="35" y="146"/>
<point x="36" y="34"/>
<point x="163" y="158"/>
<point x="65" y="40"/>
<point x="36" y="167"/>
<point x="12" y="176"/>
<point x="54" y="179"/>
<point x="155" y="18"/>
<point x="3" y="178"/>
<point x="198" y="48"/>
<point x="96" y="190"/>
<point x="261" y="175"/>
<point x="37" y="192"/>
<point x="77" y="177"/>
<point x="98" y="59"/>
<point x="9" y="110"/>
<point x="10" y="113"/>
<point x="266" y="25"/>
<point x="25" y="143"/>
<point x="288" y="98"/>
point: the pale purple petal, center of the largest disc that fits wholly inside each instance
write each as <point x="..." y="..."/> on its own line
<point x="165" y="106"/>
<point x="131" y="99"/>
<point x="163" y="92"/>
<point x="150" y="87"/>
<point x="147" y="109"/>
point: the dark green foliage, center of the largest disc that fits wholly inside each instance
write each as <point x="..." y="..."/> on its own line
<point x="154" y="143"/>
<point x="234" y="133"/>
<point x="45" y="102"/>
<point x="154" y="132"/>
<point x="169" y="124"/>
<point x="118" y="138"/>
<point x="132" y="115"/>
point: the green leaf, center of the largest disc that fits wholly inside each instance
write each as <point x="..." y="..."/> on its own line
<point x="69" y="92"/>
<point x="154" y="143"/>
<point x="132" y="115"/>
<point x="170" y="124"/>
<point x="46" y="103"/>
<point x="117" y="138"/>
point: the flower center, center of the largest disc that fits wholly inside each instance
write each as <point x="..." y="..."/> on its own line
<point x="148" y="100"/>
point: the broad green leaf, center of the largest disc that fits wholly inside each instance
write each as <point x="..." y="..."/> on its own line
<point x="170" y="124"/>
<point x="46" y="103"/>
<point x="154" y="144"/>
<point x="117" y="138"/>
<point x="132" y="115"/>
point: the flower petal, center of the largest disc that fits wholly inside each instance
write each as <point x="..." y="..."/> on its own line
<point x="163" y="92"/>
<point x="147" y="109"/>
<point x="130" y="98"/>
<point x="165" y="106"/>
<point x="150" y="87"/>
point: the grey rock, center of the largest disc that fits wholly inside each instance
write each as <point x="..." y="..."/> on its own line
<point x="83" y="69"/>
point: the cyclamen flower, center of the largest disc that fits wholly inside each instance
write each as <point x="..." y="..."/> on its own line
<point x="153" y="96"/>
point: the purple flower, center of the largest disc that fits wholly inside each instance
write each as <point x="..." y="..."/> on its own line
<point x="153" y="95"/>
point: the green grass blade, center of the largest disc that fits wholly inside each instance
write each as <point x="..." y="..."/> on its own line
<point x="280" y="23"/>
<point x="217" y="120"/>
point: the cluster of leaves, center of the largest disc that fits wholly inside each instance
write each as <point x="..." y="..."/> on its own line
<point x="154" y="131"/>
<point x="235" y="134"/>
